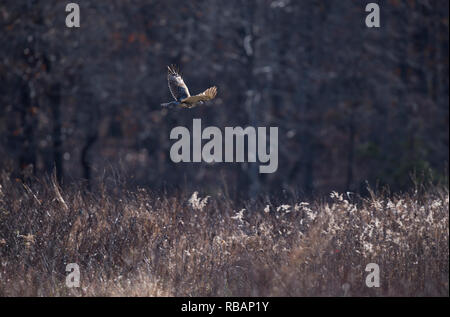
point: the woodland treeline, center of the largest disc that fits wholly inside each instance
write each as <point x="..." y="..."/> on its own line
<point x="353" y="105"/>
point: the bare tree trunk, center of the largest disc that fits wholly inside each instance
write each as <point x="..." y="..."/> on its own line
<point x="55" y="100"/>
<point x="91" y="138"/>
<point x="27" y="158"/>
<point x="87" y="174"/>
<point x="253" y="93"/>
<point x="351" y="149"/>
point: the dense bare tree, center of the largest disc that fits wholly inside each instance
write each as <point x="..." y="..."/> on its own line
<point x="353" y="104"/>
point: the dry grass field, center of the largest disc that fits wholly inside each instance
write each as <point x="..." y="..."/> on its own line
<point x="139" y="243"/>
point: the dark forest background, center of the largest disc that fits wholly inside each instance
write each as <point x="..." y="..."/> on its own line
<point x="353" y="104"/>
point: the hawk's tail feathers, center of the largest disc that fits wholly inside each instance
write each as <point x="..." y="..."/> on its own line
<point x="169" y="104"/>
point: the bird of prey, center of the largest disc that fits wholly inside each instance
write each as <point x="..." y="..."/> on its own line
<point x="180" y="92"/>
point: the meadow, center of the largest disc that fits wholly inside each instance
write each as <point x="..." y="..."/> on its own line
<point x="143" y="243"/>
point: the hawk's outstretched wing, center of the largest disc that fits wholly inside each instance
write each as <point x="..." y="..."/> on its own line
<point x="177" y="86"/>
<point x="208" y="94"/>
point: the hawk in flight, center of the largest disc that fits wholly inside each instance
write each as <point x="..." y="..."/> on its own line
<point x="180" y="92"/>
